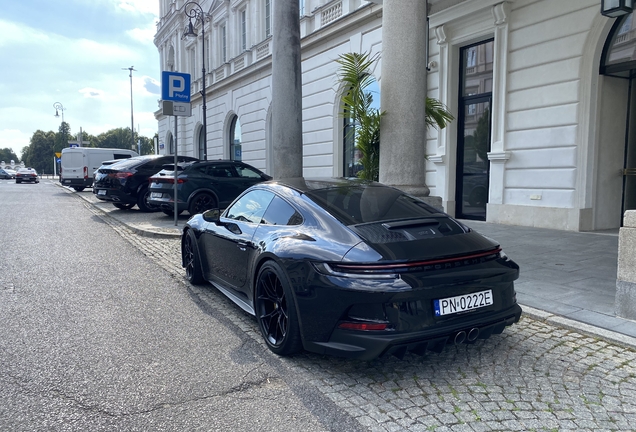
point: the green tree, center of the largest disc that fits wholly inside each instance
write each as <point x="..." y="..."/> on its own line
<point x="40" y="152"/>
<point x="116" y="138"/>
<point x="357" y="105"/>
<point x="7" y="155"/>
<point x="62" y="137"/>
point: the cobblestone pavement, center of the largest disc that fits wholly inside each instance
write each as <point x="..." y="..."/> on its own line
<point x="533" y="377"/>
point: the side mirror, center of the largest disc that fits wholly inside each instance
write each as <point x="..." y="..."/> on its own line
<point x="212" y="215"/>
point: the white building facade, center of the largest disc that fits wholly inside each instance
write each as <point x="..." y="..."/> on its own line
<point x="542" y="92"/>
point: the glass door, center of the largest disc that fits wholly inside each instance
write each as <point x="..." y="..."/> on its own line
<point x="473" y="144"/>
<point x="473" y="167"/>
<point x="629" y="168"/>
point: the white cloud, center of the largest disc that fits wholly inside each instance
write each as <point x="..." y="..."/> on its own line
<point x="78" y="66"/>
<point x="143" y="6"/>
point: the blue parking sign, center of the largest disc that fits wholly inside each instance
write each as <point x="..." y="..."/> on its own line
<point x="175" y="86"/>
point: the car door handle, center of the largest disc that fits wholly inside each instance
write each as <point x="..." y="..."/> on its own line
<point x="242" y="246"/>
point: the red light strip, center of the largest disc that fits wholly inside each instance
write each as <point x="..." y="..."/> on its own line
<point x="415" y="264"/>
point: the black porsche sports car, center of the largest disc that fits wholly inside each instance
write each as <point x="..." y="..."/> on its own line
<point x="351" y="268"/>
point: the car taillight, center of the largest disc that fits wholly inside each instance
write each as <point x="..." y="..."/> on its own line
<point x="85" y="172"/>
<point x="363" y="326"/>
<point x="120" y="175"/>
<point x="167" y="180"/>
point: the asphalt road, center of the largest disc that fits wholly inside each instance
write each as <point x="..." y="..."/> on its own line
<point x="100" y="331"/>
<point x="95" y="335"/>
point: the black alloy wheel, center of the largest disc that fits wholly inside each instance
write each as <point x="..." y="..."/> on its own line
<point x="142" y="201"/>
<point x="191" y="259"/>
<point x="275" y="311"/>
<point x="122" y="206"/>
<point x="202" y="202"/>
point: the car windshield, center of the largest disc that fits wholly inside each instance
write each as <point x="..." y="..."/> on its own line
<point x="366" y="204"/>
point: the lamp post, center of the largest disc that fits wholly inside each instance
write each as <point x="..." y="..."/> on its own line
<point x="194" y="11"/>
<point x="60" y="109"/>
<point x="132" y="123"/>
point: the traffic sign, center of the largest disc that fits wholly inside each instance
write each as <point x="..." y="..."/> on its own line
<point x="175" y="86"/>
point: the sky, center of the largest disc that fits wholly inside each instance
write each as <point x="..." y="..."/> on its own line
<point x="77" y="53"/>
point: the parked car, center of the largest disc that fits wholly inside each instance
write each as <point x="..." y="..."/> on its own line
<point x="202" y="185"/>
<point x="26" y="175"/>
<point x="7" y="174"/>
<point x="125" y="183"/>
<point x="351" y="268"/>
<point x="78" y="164"/>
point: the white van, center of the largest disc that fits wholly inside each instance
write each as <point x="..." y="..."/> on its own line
<point x="79" y="163"/>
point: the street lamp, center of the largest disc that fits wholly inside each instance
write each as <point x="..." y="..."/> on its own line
<point x="616" y="8"/>
<point x="132" y="123"/>
<point x="196" y="12"/>
<point x="60" y="109"/>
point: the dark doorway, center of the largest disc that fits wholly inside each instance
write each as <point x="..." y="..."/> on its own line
<point x="619" y="61"/>
<point x="629" y="168"/>
<point x="473" y="166"/>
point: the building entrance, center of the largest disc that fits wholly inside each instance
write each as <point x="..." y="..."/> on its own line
<point x="619" y="63"/>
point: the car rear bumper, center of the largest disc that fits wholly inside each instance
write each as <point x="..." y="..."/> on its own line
<point x="76" y="182"/>
<point x="369" y="345"/>
<point x="113" y="196"/>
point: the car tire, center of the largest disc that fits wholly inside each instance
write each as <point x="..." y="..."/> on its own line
<point x="121" y="206"/>
<point x="275" y="311"/>
<point x="18" y="181"/>
<point x="78" y="188"/>
<point x="202" y="202"/>
<point x="192" y="260"/>
<point x="142" y="201"/>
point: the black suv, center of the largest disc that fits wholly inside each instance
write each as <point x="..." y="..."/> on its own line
<point x="202" y="185"/>
<point x="125" y="183"/>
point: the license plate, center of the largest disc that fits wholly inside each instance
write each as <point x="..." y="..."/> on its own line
<point x="156" y="194"/>
<point x="101" y="192"/>
<point x="462" y="303"/>
<point x="67" y="181"/>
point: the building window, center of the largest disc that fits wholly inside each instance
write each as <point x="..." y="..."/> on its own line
<point x="268" y="18"/>
<point x="171" y="145"/>
<point x="243" y="30"/>
<point x="235" y="139"/>
<point x="301" y="7"/>
<point x="223" y="45"/>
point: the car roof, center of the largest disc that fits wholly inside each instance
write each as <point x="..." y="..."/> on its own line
<point x="308" y="184"/>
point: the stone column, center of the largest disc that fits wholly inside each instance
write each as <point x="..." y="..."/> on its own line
<point x="403" y="96"/>
<point x="625" y="303"/>
<point x="287" y="139"/>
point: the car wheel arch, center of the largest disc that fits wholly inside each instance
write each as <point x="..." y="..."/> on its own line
<point x="262" y="260"/>
<point x="199" y="192"/>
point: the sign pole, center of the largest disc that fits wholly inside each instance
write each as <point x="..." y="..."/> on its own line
<point x="176" y="174"/>
<point x="175" y="95"/>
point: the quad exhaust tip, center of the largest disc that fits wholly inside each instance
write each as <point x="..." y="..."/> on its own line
<point x="472" y="334"/>
<point x="461" y="336"/>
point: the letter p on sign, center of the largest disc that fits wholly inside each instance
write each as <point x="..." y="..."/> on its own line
<point x="175" y="84"/>
<point x="175" y="87"/>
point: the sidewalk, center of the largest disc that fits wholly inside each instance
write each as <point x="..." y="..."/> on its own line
<point x="567" y="278"/>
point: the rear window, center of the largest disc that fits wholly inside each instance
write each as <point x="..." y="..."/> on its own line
<point x="366" y="204"/>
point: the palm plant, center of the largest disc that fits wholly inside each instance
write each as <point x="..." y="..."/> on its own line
<point x="357" y="102"/>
